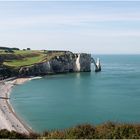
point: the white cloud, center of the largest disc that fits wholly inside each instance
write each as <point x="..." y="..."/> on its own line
<point x="86" y="39"/>
<point x="56" y="20"/>
<point x="69" y="0"/>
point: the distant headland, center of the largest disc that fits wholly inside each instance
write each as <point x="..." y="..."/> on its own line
<point x="27" y="62"/>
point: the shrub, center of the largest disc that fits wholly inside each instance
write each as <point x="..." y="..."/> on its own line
<point x="11" y="135"/>
<point x="105" y="131"/>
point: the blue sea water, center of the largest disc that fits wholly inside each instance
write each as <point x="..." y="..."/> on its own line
<point x="65" y="100"/>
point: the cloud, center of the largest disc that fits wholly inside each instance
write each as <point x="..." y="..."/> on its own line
<point x="69" y="20"/>
<point x="72" y="0"/>
<point x="81" y="31"/>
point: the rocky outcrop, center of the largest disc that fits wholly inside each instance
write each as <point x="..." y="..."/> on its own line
<point x="97" y="64"/>
<point x="69" y="62"/>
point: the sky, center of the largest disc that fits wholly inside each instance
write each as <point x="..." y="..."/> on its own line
<point x="98" y="27"/>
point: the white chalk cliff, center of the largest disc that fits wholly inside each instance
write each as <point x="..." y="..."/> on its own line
<point x="69" y="62"/>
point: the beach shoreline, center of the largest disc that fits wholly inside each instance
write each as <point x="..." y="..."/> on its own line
<point x="8" y="118"/>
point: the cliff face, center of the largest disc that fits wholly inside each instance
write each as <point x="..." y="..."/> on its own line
<point x="68" y="62"/>
<point x="84" y="62"/>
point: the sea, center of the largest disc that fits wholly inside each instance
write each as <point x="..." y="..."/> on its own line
<point x="66" y="100"/>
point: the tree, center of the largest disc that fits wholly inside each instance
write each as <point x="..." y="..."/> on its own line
<point x="28" y="49"/>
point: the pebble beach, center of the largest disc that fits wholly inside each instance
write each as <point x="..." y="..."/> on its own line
<point x="8" y="118"/>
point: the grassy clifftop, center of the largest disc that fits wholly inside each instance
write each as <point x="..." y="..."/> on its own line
<point x="13" y="61"/>
<point x="19" y="58"/>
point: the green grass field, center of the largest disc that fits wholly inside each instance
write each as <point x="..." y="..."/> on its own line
<point x="25" y="61"/>
<point x="27" y="57"/>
